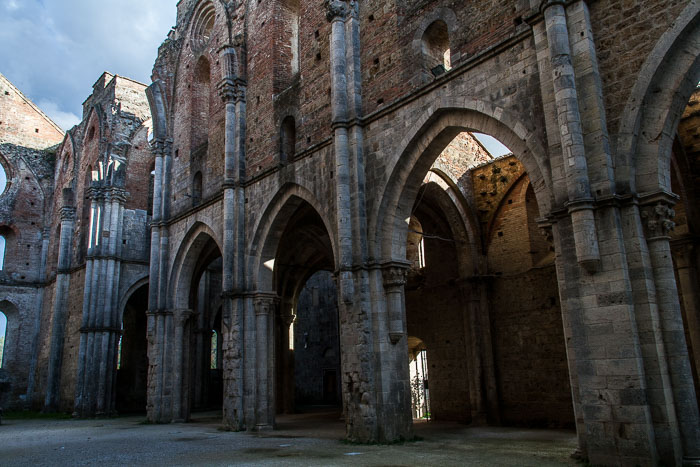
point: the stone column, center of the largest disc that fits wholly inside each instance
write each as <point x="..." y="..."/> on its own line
<point x="178" y="369"/>
<point x="232" y="91"/>
<point x="154" y="352"/>
<point x="580" y="202"/>
<point x="397" y="419"/>
<point x="60" y="311"/>
<point x="658" y="223"/>
<point x="31" y="377"/>
<point x="286" y="375"/>
<point x="264" y="308"/>
<point x="483" y="395"/>
<point x="82" y="395"/>
<point x="100" y="330"/>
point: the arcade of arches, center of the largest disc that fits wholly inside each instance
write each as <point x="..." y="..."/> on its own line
<point x="296" y="215"/>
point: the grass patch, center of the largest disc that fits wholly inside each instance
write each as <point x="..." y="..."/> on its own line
<point x="31" y="415"/>
<point x="396" y="442"/>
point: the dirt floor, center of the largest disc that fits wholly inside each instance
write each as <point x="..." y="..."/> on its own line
<point x="306" y="439"/>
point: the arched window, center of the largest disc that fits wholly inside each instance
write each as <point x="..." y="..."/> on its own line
<point x="214" y="360"/>
<point x="435" y="46"/>
<point x="285" y="52"/>
<point x="203" y="25"/>
<point x="3" y="179"/>
<point x="151" y="187"/>
<point x="85" y="226"/>
<point x="288" y="139"/>
<point x="2" y="252"/>
<point x="3" y="332"/>
<point x="197" y="189"/>
<point x="201" y="90"/>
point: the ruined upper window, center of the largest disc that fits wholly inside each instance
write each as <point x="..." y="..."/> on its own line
<point x="2" y="252"/>
<point x="435" y="46"/>
<point x="91" y="133"/>
<point x="290" y="15"/>
<point x="203" y="25"/>
<point x="3" y="333"/>
<point x="214" y="360"/>
<point x="3" y="179"/>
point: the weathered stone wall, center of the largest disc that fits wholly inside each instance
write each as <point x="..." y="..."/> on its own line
<point x="317" y="343"/>
<point x="19" y="303"/>
<point x="529" y="350"/>
<point x="624" y="40"/>
<point x="71" y="343"/>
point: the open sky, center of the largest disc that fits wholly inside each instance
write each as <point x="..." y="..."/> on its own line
<point x="54" y="50"/>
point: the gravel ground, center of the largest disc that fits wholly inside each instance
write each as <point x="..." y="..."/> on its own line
<point x="312" y="439"/>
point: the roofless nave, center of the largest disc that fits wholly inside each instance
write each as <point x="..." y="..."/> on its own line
<point x="296" y="212"/>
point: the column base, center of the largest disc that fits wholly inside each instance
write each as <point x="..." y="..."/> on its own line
<point x="264" y="427"/>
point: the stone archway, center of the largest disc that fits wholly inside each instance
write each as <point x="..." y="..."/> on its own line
<point x="292" y="243"/>
<point x="132" y="359"/>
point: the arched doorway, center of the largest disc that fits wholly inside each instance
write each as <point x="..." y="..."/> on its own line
<point x="307" y="333"/>
<point x="479" y="274"/>
<point x="202" y="333"/>
<point x="295" y="266"/>
<point x="195" y="378"/>
<point x="132" y="358"/>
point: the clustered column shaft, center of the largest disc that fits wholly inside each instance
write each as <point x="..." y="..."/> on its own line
<point x="580" y="202"/>
<point x="100" y="330"/>
<point x="53" y="385"/>
<point x="232" y="91"/>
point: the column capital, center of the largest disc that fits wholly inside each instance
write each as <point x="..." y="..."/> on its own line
<point x="545" y="227"/>
<point x="394" y="274"/>
<point x="657" y="220"/>
<point x="336" y="10"/>
<point x="232" y="90"/>
<point x="265" y="303"/>
<point x="67" y="213"/>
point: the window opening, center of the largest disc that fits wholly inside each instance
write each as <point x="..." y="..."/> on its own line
<point x="3" y="333"/>
<point x="436" y="48"/>
<point x="2" y="252"/>
<point x="421" y="252"/>
<point x="119" y="351"/>
<point x="214" y="364"/>
<point x="420" y="392"/>
<point x="3" y="179"/>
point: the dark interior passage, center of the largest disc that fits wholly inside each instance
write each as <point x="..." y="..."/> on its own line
<point x="132" y="364"/>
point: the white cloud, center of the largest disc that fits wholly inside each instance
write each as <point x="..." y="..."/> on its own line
<point x="66" y="120"/>
<point x="54" y="51"/>
<point x="11" y="5"/>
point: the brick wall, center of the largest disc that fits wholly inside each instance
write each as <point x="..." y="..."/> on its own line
<point x="22" y="123"/>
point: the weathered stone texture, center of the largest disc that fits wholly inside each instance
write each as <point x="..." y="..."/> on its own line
<point x="295" y="137"/>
